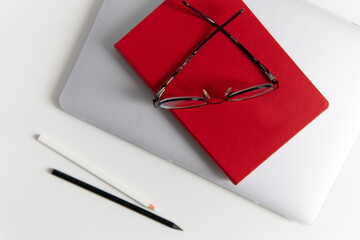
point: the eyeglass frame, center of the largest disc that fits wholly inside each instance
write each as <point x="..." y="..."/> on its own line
<point x="273" y="82"/>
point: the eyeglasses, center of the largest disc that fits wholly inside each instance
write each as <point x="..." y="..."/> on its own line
<point x="191" y="102"/>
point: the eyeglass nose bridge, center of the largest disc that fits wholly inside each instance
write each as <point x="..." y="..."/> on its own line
<point x="206" y="96"/>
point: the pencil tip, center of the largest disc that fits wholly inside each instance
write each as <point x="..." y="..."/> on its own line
<point x="152" y="207"/>
<point x="176" y="227"/>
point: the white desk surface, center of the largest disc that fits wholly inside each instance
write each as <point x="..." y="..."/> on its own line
<point x="39" y="43"/>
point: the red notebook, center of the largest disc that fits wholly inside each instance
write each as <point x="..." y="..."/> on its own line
<point x="238" y="136"/>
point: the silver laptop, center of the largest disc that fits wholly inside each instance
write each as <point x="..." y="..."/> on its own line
<point x="297" y="179"/>
<point x="341" y="9"/>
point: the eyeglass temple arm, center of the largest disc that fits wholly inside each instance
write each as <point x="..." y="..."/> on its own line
<point x="162" y="89"/>
<point x="266" y="71"/>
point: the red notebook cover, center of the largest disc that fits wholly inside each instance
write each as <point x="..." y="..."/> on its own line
<point x="238" y="136"/>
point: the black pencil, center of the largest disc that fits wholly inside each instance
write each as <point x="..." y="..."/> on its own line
<point x="114" y="198"/>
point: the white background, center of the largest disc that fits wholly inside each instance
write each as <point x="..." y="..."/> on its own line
<point x="39" y="43"/>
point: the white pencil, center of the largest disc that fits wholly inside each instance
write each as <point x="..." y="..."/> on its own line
<point x="95" y="171"/>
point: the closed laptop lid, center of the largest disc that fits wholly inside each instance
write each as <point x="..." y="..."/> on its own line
<point x="346" y="9"/>
<point x="293" y="182"/>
